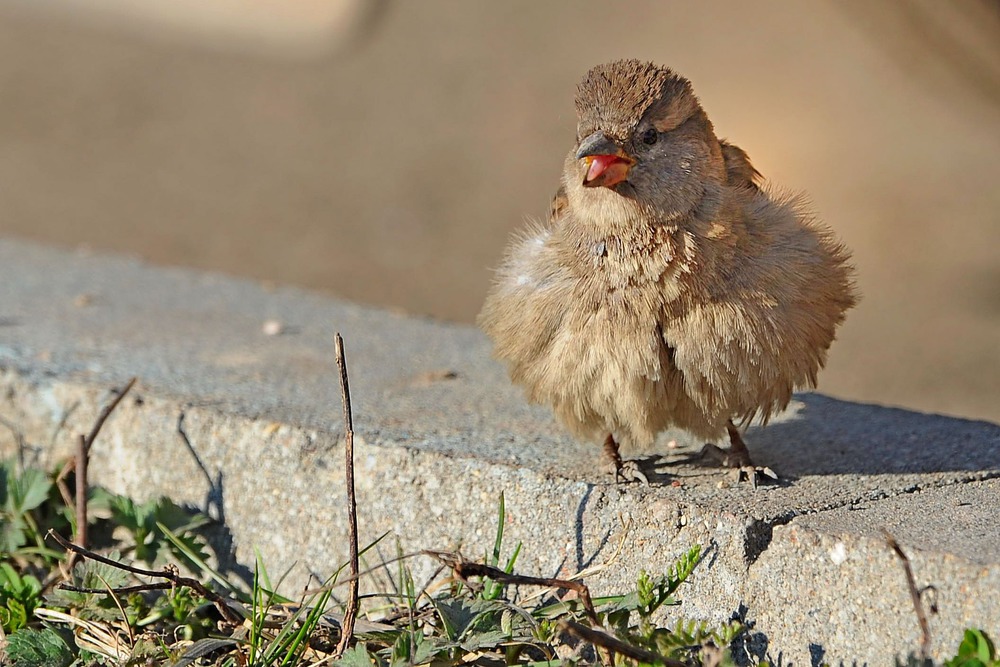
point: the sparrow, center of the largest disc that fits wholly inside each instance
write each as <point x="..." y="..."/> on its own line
<point x="670" y="286"/>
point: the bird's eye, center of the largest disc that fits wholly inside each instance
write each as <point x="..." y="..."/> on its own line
<point x="650" y="136"/>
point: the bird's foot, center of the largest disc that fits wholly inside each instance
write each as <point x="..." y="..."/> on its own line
<point x="742" y="468"/>
<point x="737" y="457"/>
<point x="628" y="471"/>
<point x="727" y="458"/>
<point x="624" y="470"/>
<point x="753" y="474"/>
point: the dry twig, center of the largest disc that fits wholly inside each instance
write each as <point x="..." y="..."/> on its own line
<point x="80" y="462"/>
<point x="220" y="602"/>
<point x="106" y="412"/>
<point x="613" y="644"/>
<point x="463" y="569"/>
<point x="351" y="613"/>
<point x="81" y="494"/>
<point x="123" y="590"/>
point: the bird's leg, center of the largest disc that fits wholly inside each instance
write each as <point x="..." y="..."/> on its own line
<point x="624" y="471"/>
<point x="737" y="457"/>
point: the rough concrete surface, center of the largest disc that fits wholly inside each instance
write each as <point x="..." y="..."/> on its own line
<point x="442" y="433"/>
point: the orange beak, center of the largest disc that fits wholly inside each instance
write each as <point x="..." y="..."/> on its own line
<point x="607" y="164"/>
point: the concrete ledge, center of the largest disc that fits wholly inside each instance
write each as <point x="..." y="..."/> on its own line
<point x="443" y="432"/>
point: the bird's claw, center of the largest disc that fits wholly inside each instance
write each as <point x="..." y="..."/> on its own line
<point x="627" y="472"/>
<point x="742" y="467"/>
<point x="753" y="474"/>
<point x="726" y="458"/>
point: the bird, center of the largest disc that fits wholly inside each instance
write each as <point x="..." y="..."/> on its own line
<point x="670" y="286"/>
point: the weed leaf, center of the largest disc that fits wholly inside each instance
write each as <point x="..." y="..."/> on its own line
<point x="39" y="648"/>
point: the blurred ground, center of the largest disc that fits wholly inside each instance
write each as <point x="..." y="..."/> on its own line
<point x="392" y="169"/>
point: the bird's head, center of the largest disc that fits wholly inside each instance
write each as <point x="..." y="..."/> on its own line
<point x="644" y="144"/>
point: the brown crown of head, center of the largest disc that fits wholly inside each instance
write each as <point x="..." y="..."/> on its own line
<point x="615" y="97"/>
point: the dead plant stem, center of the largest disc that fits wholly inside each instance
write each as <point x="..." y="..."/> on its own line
<point x="351" y="612"/>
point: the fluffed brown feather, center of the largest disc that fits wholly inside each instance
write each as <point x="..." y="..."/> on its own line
<point x="634" y="314"/>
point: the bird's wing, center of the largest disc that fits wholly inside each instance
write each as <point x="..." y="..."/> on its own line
<point x="766" y="314"/>
<point x="739" y="171"/>
<point x="730" y="354"/>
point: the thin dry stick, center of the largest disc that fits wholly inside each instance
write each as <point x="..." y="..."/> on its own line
<point x="123" y="590"/>
<point x="464" y="569"/>
<point x="615" y="645"/>
<point x="356" y="577"/>
<point x="121" y="609"/>
<point x="89" y="440"/>
<point x="80" y="461"/>
<point x="351" y="613"/>
<point x="195" y="585"/>
<point x="68" y="499"/>
<point x="918" y="605"/>
<point x="106" y="412"/>
<point x="81" y="493"/>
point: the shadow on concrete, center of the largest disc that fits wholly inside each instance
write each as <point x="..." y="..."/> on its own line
<point x="819" y="436"/>
<point x="582" y="561"/>
<point x="827" y="436"/>
<point x="832" y="437"/>
<point x="218" y="533"/>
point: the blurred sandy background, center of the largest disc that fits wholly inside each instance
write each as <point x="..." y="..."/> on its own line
<point x="384" y="151"/>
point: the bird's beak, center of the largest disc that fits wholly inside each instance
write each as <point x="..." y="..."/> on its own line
<point x="607" y="163"/>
